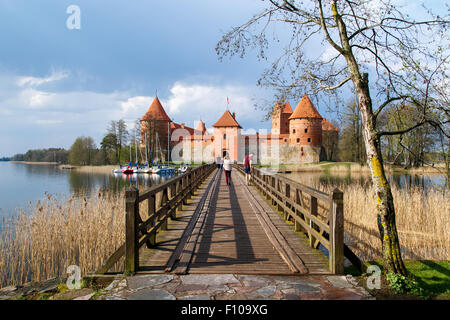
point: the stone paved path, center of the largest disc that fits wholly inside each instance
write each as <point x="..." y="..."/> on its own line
<point x="234" y="287"/>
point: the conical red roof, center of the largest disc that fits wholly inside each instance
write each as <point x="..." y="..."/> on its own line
<point x="305" y="109"/>
<point x="156" y="112"/>
<point x="284" y="107"/>
<point x="328" y="126"/>
<point x="287" y="108"/>
<point x="227" y="120"/>
<point x="200" y="126"/>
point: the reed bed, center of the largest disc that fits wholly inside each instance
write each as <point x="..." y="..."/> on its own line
<point x="422" y="217"/>
<point x="60" y="232"/>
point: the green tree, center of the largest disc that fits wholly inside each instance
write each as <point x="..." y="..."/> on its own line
<point x="408" y="57"/>
<point x="119" y="130"/>
<point x="82" y="151"/>
<point x="109" y="147"/>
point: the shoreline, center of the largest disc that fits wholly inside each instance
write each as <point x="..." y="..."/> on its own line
<point x="332" y="167"/>
<point x="31" y="162"/>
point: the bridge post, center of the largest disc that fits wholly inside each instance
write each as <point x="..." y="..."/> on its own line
<point x="312" y="212"/>
<point x="131" y="230"/>
<point x="164" y="199"/>
<point x="151" y="202"/>
<point x="179" y="188"/>
<point x="336" y="218"/>
<point x="172" y="194"/>
<point x="287" y="193"/>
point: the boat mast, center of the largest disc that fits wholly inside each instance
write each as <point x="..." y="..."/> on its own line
<point x="168" y="141"/>
<point x="146" y="150"/>
<point x="135" y="146"/>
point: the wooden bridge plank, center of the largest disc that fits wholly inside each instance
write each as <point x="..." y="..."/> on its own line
<point x="231" y="239"/>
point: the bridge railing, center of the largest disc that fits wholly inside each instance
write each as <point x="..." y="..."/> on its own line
<point x="163" y="202"/>
<point x="319" y="215"/>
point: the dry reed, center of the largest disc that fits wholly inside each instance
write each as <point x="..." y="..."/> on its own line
<point x="422" y="217"/>
<point x="59" y="233"/>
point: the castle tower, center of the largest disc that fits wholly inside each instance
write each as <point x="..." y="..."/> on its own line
<point x="155" y="123"/>
<point x="200" y="128"/>
<point x="226" y="135"/>
<point x="305" y="126"/>
<point x="280" y="118"/>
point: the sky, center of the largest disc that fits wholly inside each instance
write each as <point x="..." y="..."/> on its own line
<point x="57" y="84"/>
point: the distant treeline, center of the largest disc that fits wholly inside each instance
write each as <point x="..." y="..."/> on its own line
<point x="43" y="155"/>
<point x="113" y="149"/>
<point x="5" y="159"/>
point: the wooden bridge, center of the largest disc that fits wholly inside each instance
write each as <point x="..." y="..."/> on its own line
<point x="196" y="223"/>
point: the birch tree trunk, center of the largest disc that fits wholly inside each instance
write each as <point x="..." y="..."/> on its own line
<point x="386" y="211"/>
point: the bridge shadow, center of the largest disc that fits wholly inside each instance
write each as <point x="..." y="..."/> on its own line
<point x="243" y="253"/>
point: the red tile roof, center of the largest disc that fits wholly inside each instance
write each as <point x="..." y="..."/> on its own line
<point x="284" y="107"/>
<point x="174" y="126"/>
<point x="328" y="126"/>
<point x="305" y="109"/>
<point x="200" y="126"/>
<point x="227" y="120"/>
<point x="156" y="112"/>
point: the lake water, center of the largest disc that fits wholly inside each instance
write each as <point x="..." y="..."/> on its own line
<point x="21" y="183"/>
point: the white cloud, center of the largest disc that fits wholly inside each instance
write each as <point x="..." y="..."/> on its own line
<point x="191" y="102"/>
<point x="56" y="118"/>
<point x="36" y="81"/>
<point x="48" y="122"/>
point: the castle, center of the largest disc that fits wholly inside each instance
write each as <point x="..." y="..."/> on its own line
<point x="297" y="136"/>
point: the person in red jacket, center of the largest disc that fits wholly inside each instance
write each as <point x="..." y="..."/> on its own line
<point x="248" y="167"/>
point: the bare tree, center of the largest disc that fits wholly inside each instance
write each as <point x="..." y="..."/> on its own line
<point x="407" y="57"/>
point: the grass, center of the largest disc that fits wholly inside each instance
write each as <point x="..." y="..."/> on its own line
<point x="433" y="277"/>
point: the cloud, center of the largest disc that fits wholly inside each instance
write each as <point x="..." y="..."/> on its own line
<point x="50" y="116"/>
<point x="190" y="102"/>
<point x="48" y="122"/>
<point x="36" y="81"/>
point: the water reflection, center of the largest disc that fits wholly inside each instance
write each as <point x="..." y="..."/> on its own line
<point x="22" y="183"/>
<point x="85" y="183"/>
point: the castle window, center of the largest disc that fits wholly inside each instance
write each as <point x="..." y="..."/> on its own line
<point x="224" y="135"/>
<point x="306" y="130"/>
<point x="309" y="139"/>
<point x="298" y="140"/>
<point x="285" y="140"/>
<point x="293" y="130"/>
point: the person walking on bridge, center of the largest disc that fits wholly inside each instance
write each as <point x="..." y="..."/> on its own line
<point x="227" y="167"/>
<point x="248" y="167"/>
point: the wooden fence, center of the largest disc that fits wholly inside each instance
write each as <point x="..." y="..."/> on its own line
<point x="163" y="201"/>
<point x="319" y="215"/>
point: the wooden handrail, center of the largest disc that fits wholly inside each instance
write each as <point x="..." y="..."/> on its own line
<point x="288" y="197"/>
<point x="163" y="201"/>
